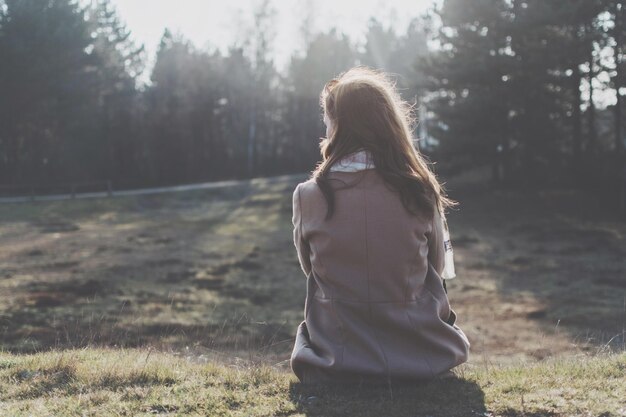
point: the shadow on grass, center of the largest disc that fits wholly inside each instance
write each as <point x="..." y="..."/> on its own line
<point x="561" y="247"/>
<point x="447" y="397"/>
<point x="214" y="268"/>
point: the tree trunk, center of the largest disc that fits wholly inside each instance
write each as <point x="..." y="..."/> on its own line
<point x="576" y="120"/>
<point x="591" y="111"/>
<point x="617" y="80"/>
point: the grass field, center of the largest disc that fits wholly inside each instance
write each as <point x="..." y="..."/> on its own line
<point x="212" y="270"/>
<point x="212" y="275"/>
<point x="120" y="382"/>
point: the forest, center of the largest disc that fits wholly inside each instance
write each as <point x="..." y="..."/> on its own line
<point x="147" y="260"/>
<point x="533" y="88"/>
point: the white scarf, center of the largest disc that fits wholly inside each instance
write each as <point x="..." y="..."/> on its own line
<point x="361" y="160"/>
<point x="354" y="162"/>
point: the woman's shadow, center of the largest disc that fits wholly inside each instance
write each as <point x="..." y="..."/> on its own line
<point x="446" y="397"/>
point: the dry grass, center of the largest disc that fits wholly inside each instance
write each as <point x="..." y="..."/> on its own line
<point x="96" y="382"/>
<point x="212" y="277"/>
<point x="212" y="269"/>
<point x="539" y="273"/>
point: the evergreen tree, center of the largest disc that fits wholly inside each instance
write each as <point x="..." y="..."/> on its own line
<point x="327" y="55"/>
<point x="469" y="78"/>
<point x="169" y="108"/>
<point x="118" y="64"/>
<point x="264" y="107"/>
<point x="397" y="54"/>
<point x="380" y="44"/>
<point x="45" y="82"/>
<point x="508" y="82"/>
<point x="236" y="108"/>
<point x="187" y="110"/>
<point x="617" y="12"/>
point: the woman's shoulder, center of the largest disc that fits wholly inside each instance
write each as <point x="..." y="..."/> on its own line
<point x="339" y="181"/>
<point x="308" y="198"/>
<point x="309" y="183"/>
<point x="307" y="189"/>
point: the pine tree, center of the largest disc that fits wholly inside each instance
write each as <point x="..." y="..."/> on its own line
<point x="469" y="79"/>
<point x="507" y="82"/>
<point x="617" y="11"/>
<point x="119" y="62"/>
<point x="45" y="83"/>
<point x="325" y="57"/>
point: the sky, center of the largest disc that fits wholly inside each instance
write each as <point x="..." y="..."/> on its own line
<point x="215" y="24"/>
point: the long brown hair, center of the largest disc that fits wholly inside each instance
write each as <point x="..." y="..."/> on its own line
<point x="367" y="112"/>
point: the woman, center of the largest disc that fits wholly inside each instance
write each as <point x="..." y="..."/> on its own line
<point x="369" y="230"/>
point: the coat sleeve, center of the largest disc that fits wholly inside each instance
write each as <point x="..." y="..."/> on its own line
<point x="302" y="246"/>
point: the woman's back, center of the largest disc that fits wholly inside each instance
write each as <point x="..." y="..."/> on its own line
<point x="375" y="303"/>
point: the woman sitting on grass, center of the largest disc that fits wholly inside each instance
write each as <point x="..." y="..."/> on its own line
<point x="371" y="237"/>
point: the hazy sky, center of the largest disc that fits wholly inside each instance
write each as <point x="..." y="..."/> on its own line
<point x="217" y="23"/>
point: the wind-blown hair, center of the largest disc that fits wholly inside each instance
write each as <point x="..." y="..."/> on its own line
<point x="367" y="112"/>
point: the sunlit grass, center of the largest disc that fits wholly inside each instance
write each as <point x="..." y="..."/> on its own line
<point x="143" y="382"/>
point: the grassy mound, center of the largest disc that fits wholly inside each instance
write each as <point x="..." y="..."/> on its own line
<point x="143" y="382"/>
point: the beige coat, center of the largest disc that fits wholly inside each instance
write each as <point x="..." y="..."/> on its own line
<point x="375" y="306"/>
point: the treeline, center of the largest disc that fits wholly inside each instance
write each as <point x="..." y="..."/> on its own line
<point x="506" y="82"/>
<point x="72" y="107"/>
<point x="517" y="82"/>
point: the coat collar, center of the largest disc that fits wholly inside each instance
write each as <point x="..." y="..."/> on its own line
<point x="356" y="161"/>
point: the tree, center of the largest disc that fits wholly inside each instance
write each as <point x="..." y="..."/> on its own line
<point x="397" y="54"/>
<point x="118" y="64"/>
<point x="68" y="92"/>
<point x="469" y="79"/>
<point x="618" y="34"/>
<point x="326" y="56"/>
<point x="509" y="80"/>
<point x="259" y="47"/>
<point x="45" y="80"/>
<point x="380" y="44"/>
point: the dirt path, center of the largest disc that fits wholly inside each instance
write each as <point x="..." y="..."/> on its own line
<point x="213" y="271"/>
